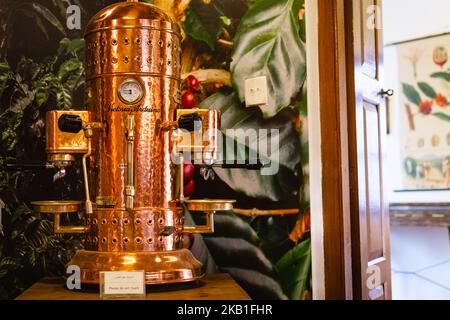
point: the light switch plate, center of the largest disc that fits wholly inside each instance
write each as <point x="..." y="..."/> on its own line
<point x="256" y="91"/>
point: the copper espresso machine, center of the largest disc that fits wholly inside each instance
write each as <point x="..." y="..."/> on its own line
<point x="127" y="140"/>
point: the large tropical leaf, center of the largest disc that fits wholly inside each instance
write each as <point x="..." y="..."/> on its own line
<point x="203" y="22"/>
<point x="267" y="43"/>
<point x="229" y="250"/>
<point x="229" y="225"/>
<point x="48" y="15"/>
<point x="284" y="159"/>
<point x="260" y="286"/>
<point x="294" y="269"/>
<point x="232" y="252"/>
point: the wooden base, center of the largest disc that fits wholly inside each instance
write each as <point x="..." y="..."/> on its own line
<point x="212" y="287"/>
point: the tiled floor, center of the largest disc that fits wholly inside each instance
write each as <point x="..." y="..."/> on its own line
<point x="420" y="263"/>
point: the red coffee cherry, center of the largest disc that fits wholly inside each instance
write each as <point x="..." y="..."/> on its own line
<point x="188" y="172"/>
<point x="189" y="188"/>
<point x="188" y="99"/>
<point x="192" y="83"/>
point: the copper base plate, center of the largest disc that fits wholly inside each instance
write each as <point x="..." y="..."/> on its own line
<point x="159" y="267"/>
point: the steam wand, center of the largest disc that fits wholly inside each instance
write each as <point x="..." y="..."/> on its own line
<point x="207" y="171"/>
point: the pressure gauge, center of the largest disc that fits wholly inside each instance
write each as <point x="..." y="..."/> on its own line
<point x="130" y="91"/>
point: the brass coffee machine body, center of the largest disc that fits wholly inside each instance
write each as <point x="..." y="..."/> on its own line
<point x="127" y="139"/>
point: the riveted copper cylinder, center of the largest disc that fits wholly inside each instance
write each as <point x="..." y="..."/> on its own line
<point x="138" y="42"/>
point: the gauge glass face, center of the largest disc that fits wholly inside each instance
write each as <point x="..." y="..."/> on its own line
<point x="130" y="91"/>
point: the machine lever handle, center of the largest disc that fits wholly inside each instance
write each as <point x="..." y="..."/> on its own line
<point x="26" y="165"/>
<point x="70" y="123"/>
<point x="190" y="122"/>
<point x="248" y="164"/>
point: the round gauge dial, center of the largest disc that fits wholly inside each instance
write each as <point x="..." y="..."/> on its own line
<point x="130" y="91"/>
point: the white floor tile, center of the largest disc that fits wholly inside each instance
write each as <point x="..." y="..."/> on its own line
<point x="412" y="287"/>
<point x="416" y="248"/>
<point x="439" y="274"/>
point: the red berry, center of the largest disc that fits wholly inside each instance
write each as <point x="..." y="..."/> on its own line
<point x="192" y="83"/>
<point x="425" y="107"/>
<point x="188" y="99"/>
<point x="189" y="188"/>
<point x="188" y="172"/>
<point x="441" y="101"/>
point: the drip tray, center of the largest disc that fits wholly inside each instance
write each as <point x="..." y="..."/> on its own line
<point x="209" y="204"/>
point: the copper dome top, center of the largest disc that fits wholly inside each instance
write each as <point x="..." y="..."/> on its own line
<point x="131" y="14"/>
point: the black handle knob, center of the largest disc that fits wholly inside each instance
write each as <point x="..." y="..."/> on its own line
<point x="70" y="123"/>
<point x="190" y="122"/>
<point x="388" y="92"/>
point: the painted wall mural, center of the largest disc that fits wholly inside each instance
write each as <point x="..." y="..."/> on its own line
<point x="424" y="73"/>
<point x="264" y="243"/>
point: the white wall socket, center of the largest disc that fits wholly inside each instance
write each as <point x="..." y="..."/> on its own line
<point x="256" y="91"/>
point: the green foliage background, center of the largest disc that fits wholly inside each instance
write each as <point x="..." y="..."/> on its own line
<point x="267" y="38"/>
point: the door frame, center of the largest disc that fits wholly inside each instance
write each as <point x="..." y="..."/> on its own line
<point x="328" y="147"/>
<point x="337" y="270"/>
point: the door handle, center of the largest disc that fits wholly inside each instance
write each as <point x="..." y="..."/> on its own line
<point x="387" y="93"/>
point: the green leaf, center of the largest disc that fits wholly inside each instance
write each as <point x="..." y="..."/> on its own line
<point x="41" y="97"/>
<point x="19" y="104"/>
<point x="225" y="20"/>
<point x="267" y="43"/>
<point x="441" y="75"/>
<point x="260" y="286"/>
<point x="75" y="46"/>
<point x="69" y="66"/>
<point x="442" y="116"/>
<point x="229" y="225"/>
<point x="203" y="22"/>
<point x="411" y="94"/>
<point x="9" y="263"/>
<point x="235" y="252"/>
<point x="4" y="67"/>
<point x="303" y="29"/>
<point x="294" y="269"/>
<point x="49" y="16"/>
<point x="283" y="161"/>
<point x="230" y="251"/>
<point x="427" y="90"/>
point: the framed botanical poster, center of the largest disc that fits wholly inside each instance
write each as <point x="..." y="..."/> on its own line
<point x="424" y="115"/>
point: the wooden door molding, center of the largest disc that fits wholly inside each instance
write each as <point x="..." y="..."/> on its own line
<point x="330" y="202"/>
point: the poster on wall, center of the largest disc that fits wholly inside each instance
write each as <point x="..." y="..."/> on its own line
<point x="424" y="74"/>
